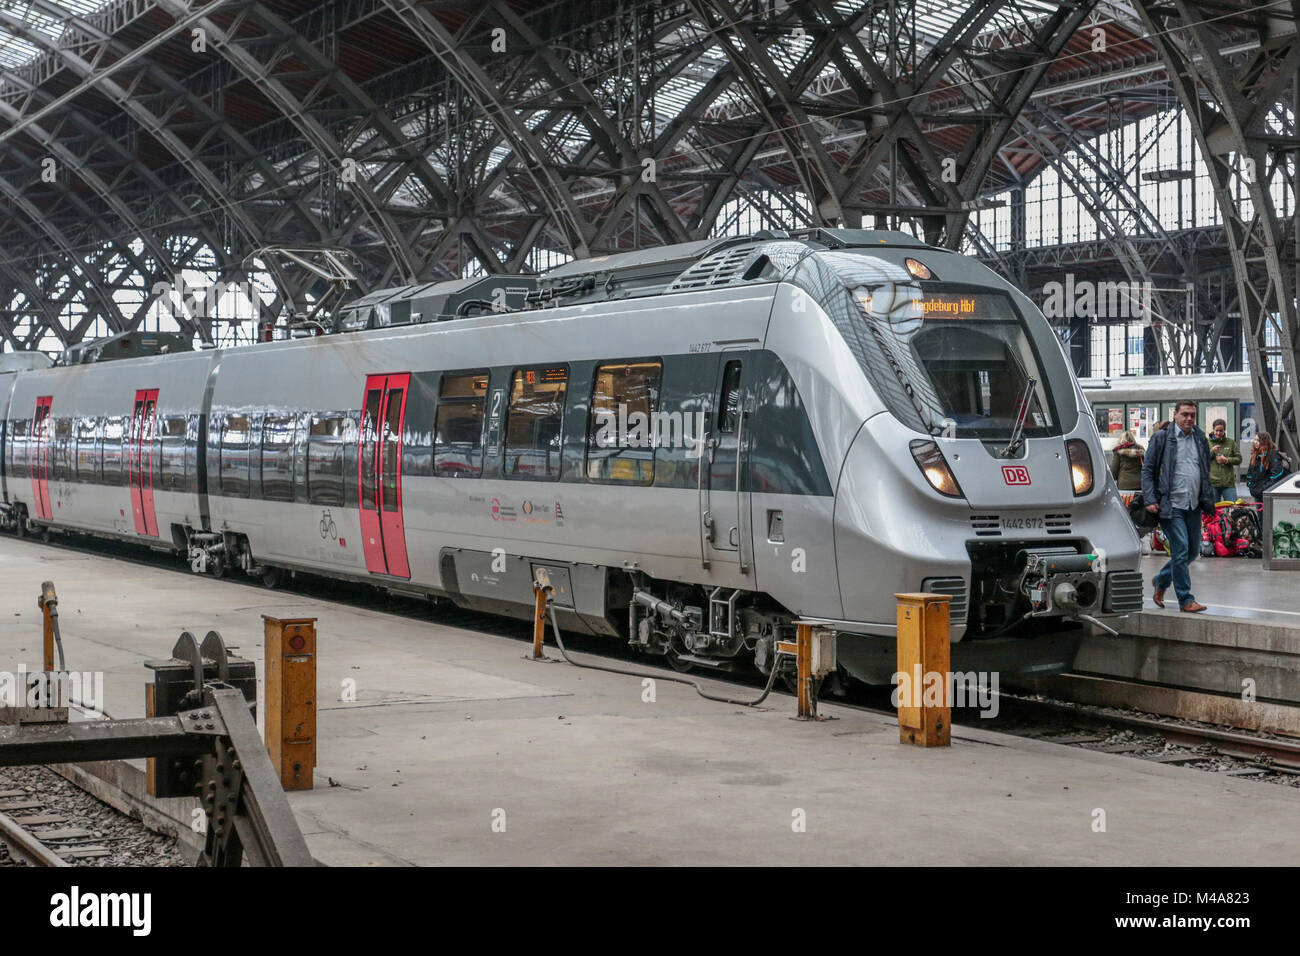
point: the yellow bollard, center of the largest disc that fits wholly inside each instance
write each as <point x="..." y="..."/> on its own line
<point x="923" y="676"/>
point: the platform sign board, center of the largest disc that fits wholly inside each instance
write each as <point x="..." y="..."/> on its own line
<point x="1282" y="525"/>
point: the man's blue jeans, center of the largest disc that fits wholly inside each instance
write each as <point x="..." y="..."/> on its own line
<point x="1183" y="532"/>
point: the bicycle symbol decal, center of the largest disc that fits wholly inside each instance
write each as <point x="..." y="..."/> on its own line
<point x="327" y="527"/>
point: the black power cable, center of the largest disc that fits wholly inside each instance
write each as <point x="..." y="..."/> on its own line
<point x="559" y="641"/>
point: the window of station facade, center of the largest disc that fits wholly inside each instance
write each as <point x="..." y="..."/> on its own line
<point x="622" y="430"/>
<point x="458" y="429"/>
<point x="534" y="422"/>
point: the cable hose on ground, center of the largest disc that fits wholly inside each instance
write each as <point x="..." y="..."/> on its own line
<point x="559" y="641"/>
<point x="58" y="638"/>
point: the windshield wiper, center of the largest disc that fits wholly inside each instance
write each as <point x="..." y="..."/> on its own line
<point x="1018" y="433"/>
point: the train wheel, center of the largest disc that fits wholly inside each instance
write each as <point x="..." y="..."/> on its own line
<point x="791" y="681"/>
<point x="677" y="664"/>
<point x="217" y="565"/>
<point x="45" y="535"/>
<point x="271" y="578"/>
<point x="20" y="527"/>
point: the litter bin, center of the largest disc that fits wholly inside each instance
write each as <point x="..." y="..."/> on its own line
<point x="1282" y="525"/>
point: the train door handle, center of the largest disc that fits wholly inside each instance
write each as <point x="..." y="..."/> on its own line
<point x="707" y="519"/>
<point x="733" y="536"/>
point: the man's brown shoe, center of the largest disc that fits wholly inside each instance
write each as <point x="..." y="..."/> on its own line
<point x="1193" y="607"/>
<point x="1159" y="597"/>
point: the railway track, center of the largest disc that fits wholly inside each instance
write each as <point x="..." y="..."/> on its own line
<point x="1265" y="753"/>
<point x="39" y="834"/>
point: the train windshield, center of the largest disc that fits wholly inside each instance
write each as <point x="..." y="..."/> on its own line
<point x="962" y="360"/>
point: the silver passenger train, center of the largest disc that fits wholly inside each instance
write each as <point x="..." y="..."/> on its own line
<point x="701" y="444"/>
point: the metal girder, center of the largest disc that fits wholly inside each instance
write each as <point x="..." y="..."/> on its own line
<point x="449" y="50"/>
<point x="898" y="101"/>
<point x="1229" y="106"/>
<point x="1008" y="94"/>
<point x="133" y="106"/>
<point x="236" y="50"/>
<point x="777" y="97"/>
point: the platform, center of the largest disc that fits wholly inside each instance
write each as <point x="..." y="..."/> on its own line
<point x="451" y="725"/>
<point x="1250" y="630"/>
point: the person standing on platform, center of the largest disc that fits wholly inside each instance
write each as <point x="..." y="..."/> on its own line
<point x="1126" y="466"/>
<point x="1176" y="483"/>
<point x="1225" y="456"/>
<point x="1266" y="466"/>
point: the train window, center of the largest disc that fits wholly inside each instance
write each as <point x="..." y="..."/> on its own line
<point x="325" y="461"/>
<point x="277" y="457"/>
<point x="88" y="451"/>
<point x="18" y="449"/>
<point x="172" y="431"/>
<point x="369" y="432"/>
<point x="62" y="463"/>
<point x="980" y="372"/>
<point x="391" y="445"/>
<point x="458" y="425"/>
<point x="114" y="430"/>
<point x="234" y="456"/>
<point x="622" y="429"/>
<point x="534" y="422"/>
<point x="729" y="399"/>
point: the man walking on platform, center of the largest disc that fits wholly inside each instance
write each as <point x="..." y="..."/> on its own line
<point x="1176" y="482"/>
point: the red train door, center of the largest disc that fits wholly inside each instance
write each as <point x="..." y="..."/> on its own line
<point x="140" y="461"/>
<point x="42" y="432"/>
<point x="379" y="474"/>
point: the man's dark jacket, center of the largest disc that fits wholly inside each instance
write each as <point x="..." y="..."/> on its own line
<point x="1158" y="481"/>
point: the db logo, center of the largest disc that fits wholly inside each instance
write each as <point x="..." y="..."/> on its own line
<point x="1015" y="474"/>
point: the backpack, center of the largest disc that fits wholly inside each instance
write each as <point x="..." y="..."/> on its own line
<point x="1216" y="533"/>
<point x="1245" y="534"/>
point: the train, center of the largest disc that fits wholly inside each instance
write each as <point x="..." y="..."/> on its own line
<point x="1139" y="402"/>
<point x="702" y="444"/>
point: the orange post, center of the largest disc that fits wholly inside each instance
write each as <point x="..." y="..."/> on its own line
<point x="150" y="763"/>
<point x="291" y="699"/>
<point x="803" y="662"/>
<point x="923" y="674"/>
<point x="47" y="602"/>
<point x="539" y="621"/>
<point x="813" y="651"/>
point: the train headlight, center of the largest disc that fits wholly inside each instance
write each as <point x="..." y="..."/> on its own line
<point x="918" y="269"/>
<point x="1080" y="466"/>
<point x="934" y="466"/>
